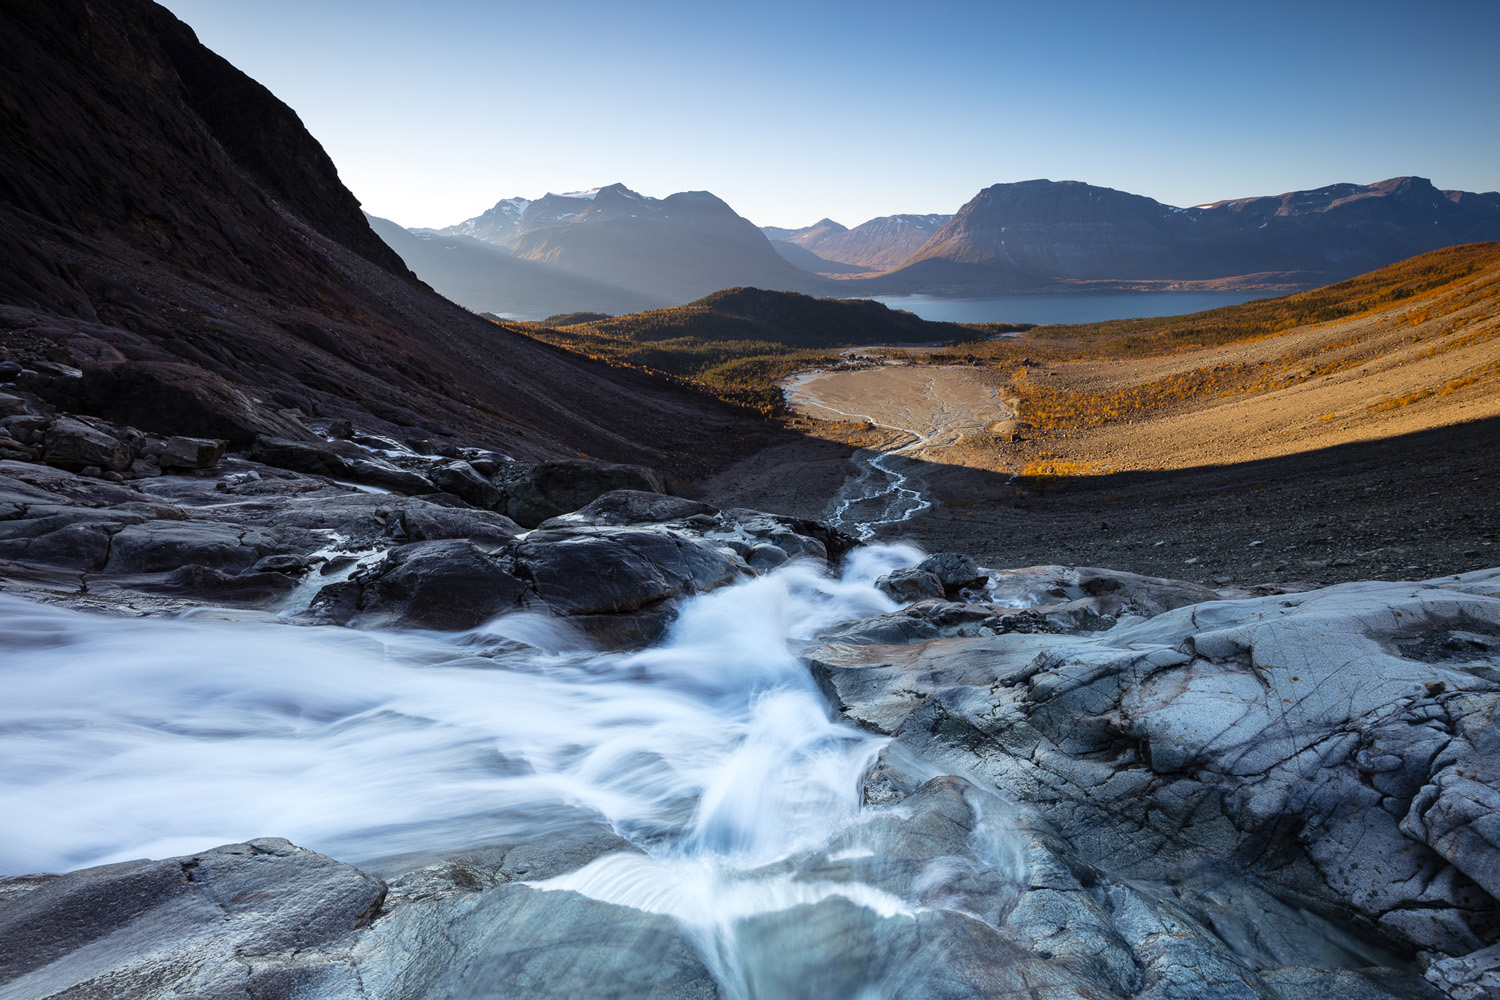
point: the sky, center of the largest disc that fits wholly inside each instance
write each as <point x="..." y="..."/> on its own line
<point x="795" y="111"/>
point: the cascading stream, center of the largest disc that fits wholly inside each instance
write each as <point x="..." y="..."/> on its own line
<point x="714" y="751"/>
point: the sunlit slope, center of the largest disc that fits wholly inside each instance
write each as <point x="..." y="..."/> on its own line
<point x="1407" y="348"/>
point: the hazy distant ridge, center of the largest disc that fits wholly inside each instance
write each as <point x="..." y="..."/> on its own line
<point x="1012" y="234"/>
<point x="611" y="249"/>
<point x="877" y="245"/>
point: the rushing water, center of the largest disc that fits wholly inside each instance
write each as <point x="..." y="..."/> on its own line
<point x="126" y="737"/>
<point x="714" y="751"/>
<point x="1076" y="307"/>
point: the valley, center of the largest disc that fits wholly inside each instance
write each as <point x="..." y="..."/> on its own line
<point x="1180" y="461"/>
<point x="592" y="599"/>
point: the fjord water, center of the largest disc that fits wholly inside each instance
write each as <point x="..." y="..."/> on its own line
<point x="1076" y="307"/>
<point x="714" y="752"/>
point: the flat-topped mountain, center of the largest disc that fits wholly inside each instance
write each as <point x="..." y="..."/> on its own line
<point x="1036" y="232"/>
<point x="877" y="245"/>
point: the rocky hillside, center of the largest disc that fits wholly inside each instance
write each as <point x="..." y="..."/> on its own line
<point x="167" y="222"/>
<point x="1037" y="232"/>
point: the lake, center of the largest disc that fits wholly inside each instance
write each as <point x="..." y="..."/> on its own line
<point x="1075" y="307"/>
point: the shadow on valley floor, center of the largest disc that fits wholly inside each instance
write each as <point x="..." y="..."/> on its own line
<point x="1409" y="507"/>
<point x="1413" y="506"/>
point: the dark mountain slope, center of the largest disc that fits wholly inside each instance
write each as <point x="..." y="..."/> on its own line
<point x="158" y="207"/>
<point x="1028" y="234"/>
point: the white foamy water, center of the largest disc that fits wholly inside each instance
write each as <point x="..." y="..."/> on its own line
<point x="714" y="753"/>
<point x="124" y="738"/>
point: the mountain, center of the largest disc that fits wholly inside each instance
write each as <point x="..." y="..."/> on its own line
<point x="488" y="278"/>
<point x="877" y="245"/>
<point x="801" y="257"/>
<point x="1033" y="233"/>
<point x="168" y="227"/>
<point x="651" y="252"/>
<point x="807" y="236"/>
<point x="494" y="226"/>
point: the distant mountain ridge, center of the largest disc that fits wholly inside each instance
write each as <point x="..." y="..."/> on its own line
<point x="1037" y="232"/>
<point x="609" y="249"/>
<point x="494" y="226"/>
<point x="878" y="245"/>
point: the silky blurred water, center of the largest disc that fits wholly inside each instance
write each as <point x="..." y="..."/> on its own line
<point x="144" y="737"/>
<point x="714" y="752"/>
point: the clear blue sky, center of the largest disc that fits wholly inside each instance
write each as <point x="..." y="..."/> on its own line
<point x="791" y="111"/>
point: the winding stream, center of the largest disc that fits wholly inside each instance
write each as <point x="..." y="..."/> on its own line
<point x="935" y="407"/>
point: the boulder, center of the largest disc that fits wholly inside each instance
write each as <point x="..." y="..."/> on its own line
<point x="263" y="918"/>
<point x="12" y="449"/>
<point x="440" y="585"/>
<point x="608" y="571"/>
<point x="204" y="583"/>
<point x="536" y="491"/>
<point x="30" y="429"/>
<point x="423" y="521"/>
<point x="517" y="941"/>
<point x="798" y="537"/>
<point x="955" y="571"/>
<point x="72" y="444"/>
<point x="337" y="460"/>
<point x="910" y="584"/>
<point x="13" y="406"/>
<point x="1112" y="592"/>
<point x="623" y="507"/>
<point x="60" y="537"/>
<point x="190" y="453"/>
<point x="463" y="481"/>
<point x="164" y="546"/>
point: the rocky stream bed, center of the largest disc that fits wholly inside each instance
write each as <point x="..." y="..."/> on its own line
<point x="539" y="729"/>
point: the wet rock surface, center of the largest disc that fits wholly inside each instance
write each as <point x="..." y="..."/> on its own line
<point x="268" y="919"/>
<point x="1334" y="748"/>
<point x="363" y="530"/>
<point x="963" y="896"/>
<point x="262" y="918"/>
<point x="1098" y="784"/>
